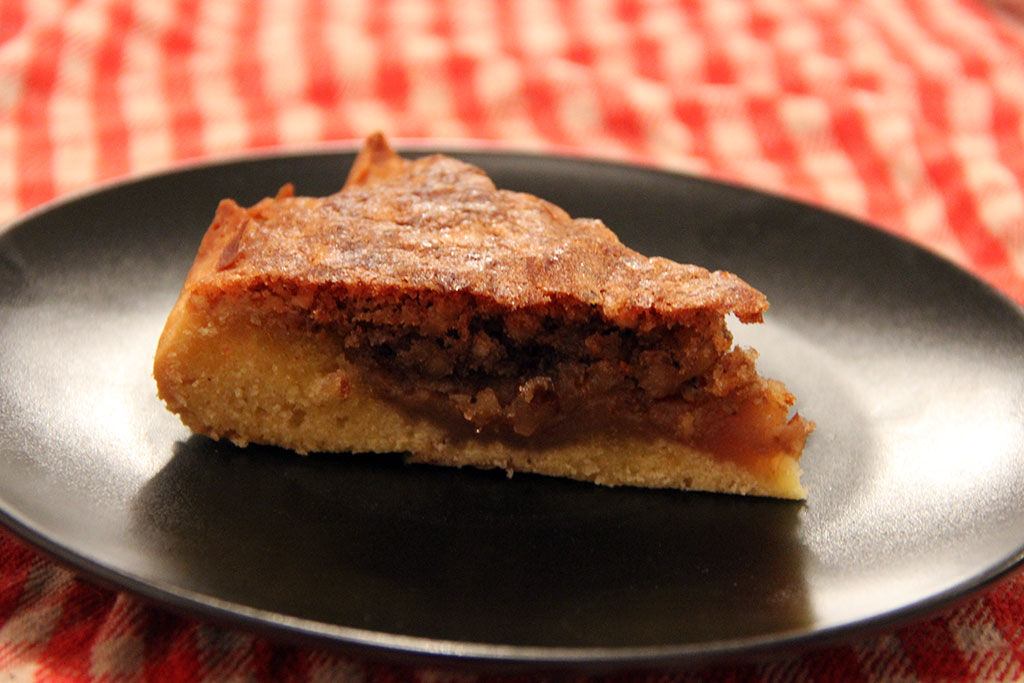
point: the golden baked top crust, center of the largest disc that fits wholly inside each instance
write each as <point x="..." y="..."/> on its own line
<point x="439" y="225"/>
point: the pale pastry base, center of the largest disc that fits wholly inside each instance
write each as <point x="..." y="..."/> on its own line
<point x="228" y="376"/>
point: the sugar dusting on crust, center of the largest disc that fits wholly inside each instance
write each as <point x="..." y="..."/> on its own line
<point x="439" y="225"/>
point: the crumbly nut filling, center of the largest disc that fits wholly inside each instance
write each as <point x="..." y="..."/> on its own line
<point x="495" y="377"/>
<point x="529" y="371"/>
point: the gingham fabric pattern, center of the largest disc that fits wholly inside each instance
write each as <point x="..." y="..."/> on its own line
<point x="906" y="113"/>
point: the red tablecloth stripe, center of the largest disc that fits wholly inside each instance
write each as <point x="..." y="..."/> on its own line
<point x="33" y="151"/>
<point x="835" y="664"/>
<point x="177" y="81"/>
<point x="108" y="118"/>
<point x="69" y="650"/>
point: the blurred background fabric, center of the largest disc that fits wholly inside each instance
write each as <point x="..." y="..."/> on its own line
<point x="908" y="114"/>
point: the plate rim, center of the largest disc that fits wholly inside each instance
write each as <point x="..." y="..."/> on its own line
<point x="422" y="650"/>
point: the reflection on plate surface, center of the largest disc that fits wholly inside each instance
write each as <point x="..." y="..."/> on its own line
<point x="413" y="544"/>
<point x="910" y="368"/>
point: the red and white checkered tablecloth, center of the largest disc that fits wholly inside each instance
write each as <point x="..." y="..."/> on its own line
<point x="907" y="113"/>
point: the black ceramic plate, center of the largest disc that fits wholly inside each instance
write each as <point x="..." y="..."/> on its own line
<point x="912" y="369"/>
